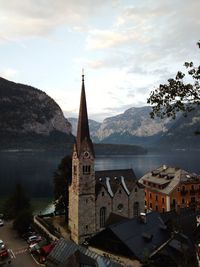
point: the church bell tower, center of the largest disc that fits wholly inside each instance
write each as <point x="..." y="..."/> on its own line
<point x="82" y="188"/>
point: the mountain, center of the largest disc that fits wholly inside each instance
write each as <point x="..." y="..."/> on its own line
<point x="28" y="115"/>
<point x="135" y="127"/>
<point x="182" y="135"/>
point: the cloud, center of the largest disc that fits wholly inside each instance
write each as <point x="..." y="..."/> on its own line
<point x="32" y="18"/>
<point x="8" y="73"/>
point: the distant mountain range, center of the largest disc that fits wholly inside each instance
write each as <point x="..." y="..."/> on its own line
<point x="135" y="126"/>
<point x="30" y="118"/>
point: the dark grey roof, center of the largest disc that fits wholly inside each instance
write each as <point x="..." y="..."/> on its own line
<point x="112" y="179"/>
<point x="136" y="236"/>
<point x="65" y="248"/>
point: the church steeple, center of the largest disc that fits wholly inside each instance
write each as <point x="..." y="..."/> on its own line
<point x="83" y="133"/>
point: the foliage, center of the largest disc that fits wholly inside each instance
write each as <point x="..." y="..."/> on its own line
<point x="17" y="202"/>
<point x="61" y="179"/>
<point x="23" y="221"/>
<point x="177" y="95"/>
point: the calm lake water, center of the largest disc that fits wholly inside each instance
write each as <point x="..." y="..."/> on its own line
<point x="35" y="169"/>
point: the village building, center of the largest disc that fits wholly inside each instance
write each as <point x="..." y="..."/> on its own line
<point x="94" y="195"/>
<point x="168" y="188"/>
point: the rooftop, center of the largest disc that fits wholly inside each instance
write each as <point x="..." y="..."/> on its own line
<point x="165" y="178"/>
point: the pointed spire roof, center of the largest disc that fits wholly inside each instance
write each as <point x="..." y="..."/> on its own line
<point x="83" y="133"/>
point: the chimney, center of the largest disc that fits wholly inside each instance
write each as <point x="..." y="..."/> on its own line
<point x="143" y="217"/>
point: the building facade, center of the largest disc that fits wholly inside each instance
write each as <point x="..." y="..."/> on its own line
<point x="168" y="188"/>
<point x="94" y="196"/>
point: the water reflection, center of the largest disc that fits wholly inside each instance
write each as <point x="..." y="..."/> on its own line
<point x="35" y="169"/>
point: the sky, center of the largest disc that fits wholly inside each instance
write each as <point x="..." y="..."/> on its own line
<point x="127" y="48"/>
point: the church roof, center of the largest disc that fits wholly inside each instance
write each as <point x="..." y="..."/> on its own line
<point x="111" y="180"/>
<point x="83" y="133"/>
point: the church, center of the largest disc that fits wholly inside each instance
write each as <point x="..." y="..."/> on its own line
<point x="95" y="195"/>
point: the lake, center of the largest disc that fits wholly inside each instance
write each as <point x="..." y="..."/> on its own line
<point x="34" y="169"/>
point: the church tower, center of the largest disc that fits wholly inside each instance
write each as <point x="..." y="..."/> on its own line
<point x="82" y="188"/>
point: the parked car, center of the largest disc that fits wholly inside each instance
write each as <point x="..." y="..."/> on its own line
<point x="1" y="222"/>
<point x="28" y="234"/>
<point x="5" y="258"/>
<point x="34" y="239"/>
<point x="2" y="246"/>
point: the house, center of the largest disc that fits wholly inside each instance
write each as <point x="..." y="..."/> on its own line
<point x="168" y="188"/>
<point x="67" y="254"/>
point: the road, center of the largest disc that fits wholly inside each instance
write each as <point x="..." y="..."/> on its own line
<point x="18" y="247"/>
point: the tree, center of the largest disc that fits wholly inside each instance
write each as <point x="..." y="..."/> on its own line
<point x="62" y="179"/>
<point x="177" y="95"/>
<point x="17" y="202"/>
<point x="23" y="220"/>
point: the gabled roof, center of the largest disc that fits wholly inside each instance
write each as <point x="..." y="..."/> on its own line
<point x="83" y="134"/>
<point x="135" y="235"/>
<point x="167" y="178"/>
<point x="64" y="249"/>
<point x="111" y="180"/>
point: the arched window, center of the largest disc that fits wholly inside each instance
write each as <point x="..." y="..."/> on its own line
<point x="136" y="209"/>
<point x="102" y="216"/>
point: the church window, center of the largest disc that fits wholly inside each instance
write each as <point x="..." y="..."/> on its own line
<point x="102" y="216"/>
<point x="120" y="207"/>
<point x="86" y="169"/>
<point x="136" y="208"/>
<point x="102" y="193"/>
<point x="75" y="170"/>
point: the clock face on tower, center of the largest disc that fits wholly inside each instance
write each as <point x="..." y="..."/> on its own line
<point x="86" y="154"/>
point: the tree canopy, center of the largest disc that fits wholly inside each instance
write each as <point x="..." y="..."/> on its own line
<point x="177" y="95"/>
<point x="61" y="180"/>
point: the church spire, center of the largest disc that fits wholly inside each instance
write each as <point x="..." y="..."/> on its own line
<point x="83" y="133"/>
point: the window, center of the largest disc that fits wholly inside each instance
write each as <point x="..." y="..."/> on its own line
<point x="178" y="189"/>
<point x="163" y="200"/>
<point x="183" y="200"/>
<point x="86" y="169"/>
<point x="120" y="191"/>
<point x="163" y="210"/>
<point x="183" y="188"/>
<point x="86" y="227"/>
<point x="145" y="203"/>
<point x="150" y="205"/>
<point x="136" y="209"/>
<point x="136" y="189"/>
<point x="75" y="170"/>
<point x="120" y="207"/>
<point x="102" y="216"/>
<point x="102" y="193"/>
<point x="156" y="198"/>
<point x="192" y="188"/>
<point x="156" y="208"/>
<point x="150" y="195"/>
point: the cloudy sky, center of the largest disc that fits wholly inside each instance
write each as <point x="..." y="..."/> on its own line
<point x="126" y="48"/>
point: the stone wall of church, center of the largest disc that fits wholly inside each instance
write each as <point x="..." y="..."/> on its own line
<point x="120" y="202"/>
<point x="103" y="200"/>
<point x="136" y="196"/>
